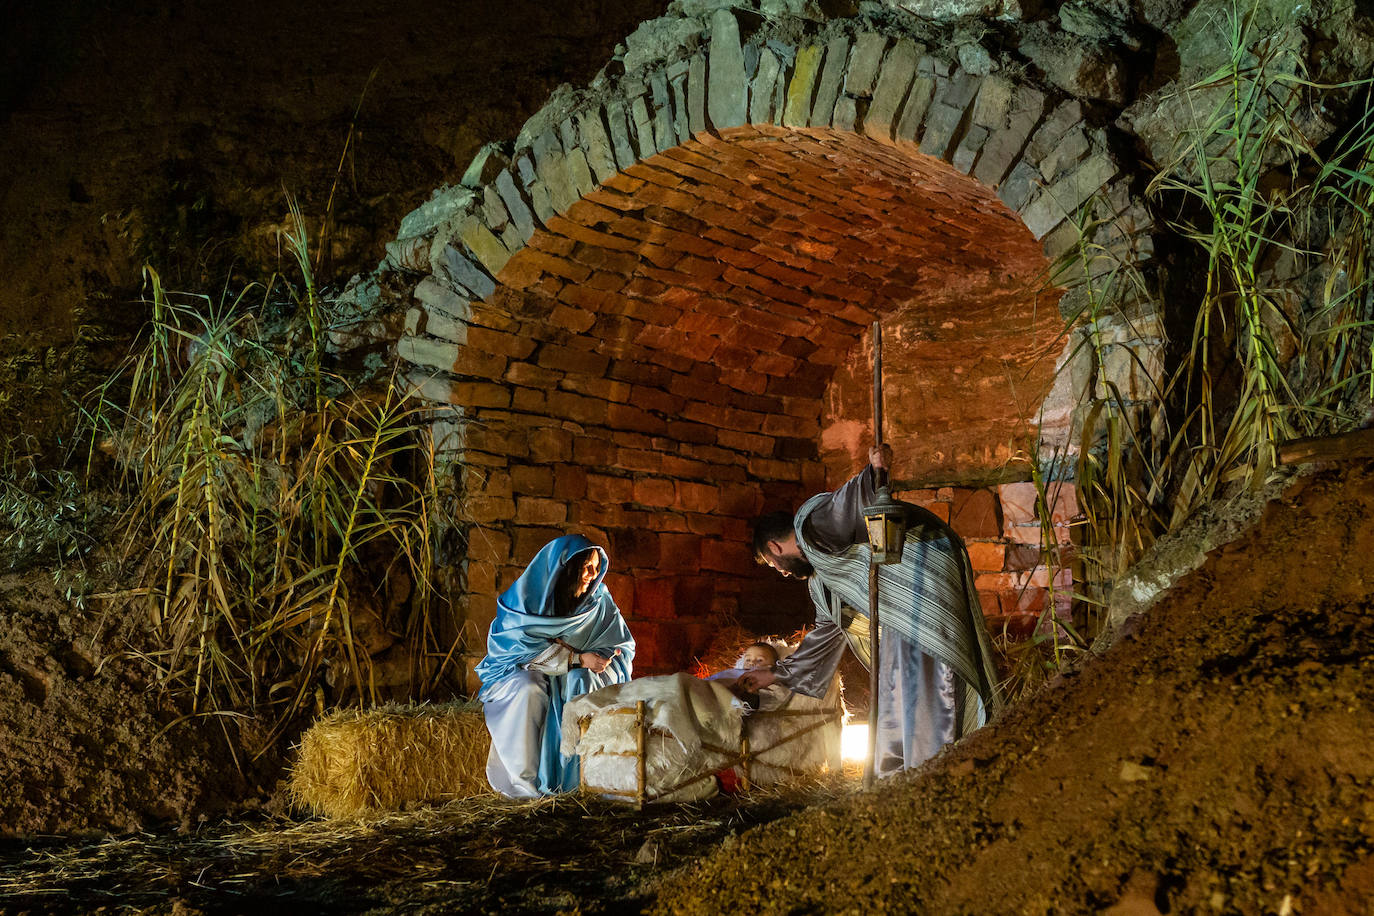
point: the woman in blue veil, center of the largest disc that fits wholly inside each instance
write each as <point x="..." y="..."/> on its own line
<point x="557" y="634"/>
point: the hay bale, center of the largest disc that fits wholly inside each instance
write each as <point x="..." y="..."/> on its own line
<point x="357" y="762"/>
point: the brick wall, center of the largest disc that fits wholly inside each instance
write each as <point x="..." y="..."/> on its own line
<point x="646" y="319"/>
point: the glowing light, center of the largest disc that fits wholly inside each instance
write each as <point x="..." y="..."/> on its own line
<point x="854" y="741"/>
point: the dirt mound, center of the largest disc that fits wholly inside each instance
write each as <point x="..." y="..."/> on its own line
<point x="88" y="743"/>
<point x="1215" y="760"/>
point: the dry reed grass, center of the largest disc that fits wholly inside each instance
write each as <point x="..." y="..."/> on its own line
<point x="355" y="763"/>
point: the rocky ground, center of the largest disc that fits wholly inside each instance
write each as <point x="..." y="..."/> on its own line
<point x="1217" y="759"/>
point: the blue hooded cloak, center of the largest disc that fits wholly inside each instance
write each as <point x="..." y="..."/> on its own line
<point x="524" y="709"/>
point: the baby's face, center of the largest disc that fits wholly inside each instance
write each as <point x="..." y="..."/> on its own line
<point x="755" y="657"/>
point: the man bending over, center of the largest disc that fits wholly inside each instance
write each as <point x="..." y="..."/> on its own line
<point x="937" y="681"/>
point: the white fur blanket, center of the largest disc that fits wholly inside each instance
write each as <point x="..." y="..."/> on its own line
<point x="687" y="717"/>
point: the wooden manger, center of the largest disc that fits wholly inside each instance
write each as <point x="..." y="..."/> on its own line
<point x="747" y="757"/>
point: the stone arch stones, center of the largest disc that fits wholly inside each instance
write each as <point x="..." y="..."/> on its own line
<point x="642" y="319"/>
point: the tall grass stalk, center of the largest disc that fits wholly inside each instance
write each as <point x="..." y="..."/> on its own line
<point x="1265" y="360"/>
<point x="272" y="501"/>
<point x="1242" y="183"/>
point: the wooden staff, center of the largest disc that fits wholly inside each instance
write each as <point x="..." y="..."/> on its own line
<point x="641" y="775"/>
<point x="869" y="764"/>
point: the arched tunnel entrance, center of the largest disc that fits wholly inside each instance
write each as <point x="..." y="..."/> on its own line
<point x="650" y="323"/>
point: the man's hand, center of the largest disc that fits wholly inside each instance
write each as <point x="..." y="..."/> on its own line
<point x="755" y="680"/>
<point x="596" y="663"/>
<point x="880" y="456"/>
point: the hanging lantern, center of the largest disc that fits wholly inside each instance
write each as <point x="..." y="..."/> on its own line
<point x="886" y="519"/>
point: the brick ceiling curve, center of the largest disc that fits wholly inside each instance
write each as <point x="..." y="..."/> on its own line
<point x="728" y="278"/>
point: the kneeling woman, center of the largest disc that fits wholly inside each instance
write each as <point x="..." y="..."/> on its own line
<point x="557" y="635"/>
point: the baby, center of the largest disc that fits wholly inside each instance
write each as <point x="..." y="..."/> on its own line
<point x="758" y="655"/>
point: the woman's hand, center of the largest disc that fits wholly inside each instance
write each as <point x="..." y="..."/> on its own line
<point x="596" y="663"/>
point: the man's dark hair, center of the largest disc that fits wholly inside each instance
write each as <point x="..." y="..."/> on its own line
<point x="775" y="526"/>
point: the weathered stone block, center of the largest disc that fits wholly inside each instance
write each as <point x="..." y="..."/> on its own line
<point x="1018" y="502"/>
<point x="914" y="111"/>
<point x="1006" y="144"/>
<point x="947" y="108"/>
<point x="1065" y="116"/>
<point x="487" y="247"/>
<point x="894" y="81"/>
<point x="664" y="135"/>
<point x="488" y="340"/>
<point x="532" y="480"/>
<point x="516" y="205"/>
<point x="655" y="492"/>
<point x="730" y="557"/>
<point x="643" y="124"/>
<point x="448" y="435"/>
<point x="620" y="134"/>
<point x="488" y="545"/>
<point x="846" y="113"/>
<point x="486" y="510"/>
<point x="941" y="122"/>
<point x="1055" y="203"/>
<point x="464" y="275"/>
<point x="1019" y="185"/>
<point x="441" y="300"/>
<point x="988" y="602"/>
<point x="763" y="88"/>
<point x="677" y="84"/>
<point x="635" y="548"/>
<point x="1132" y="372"/>
<point x="801" y="90"/>
<point x="863" y="64"/>
<point x="548" y="165"/>
<point x="569" y="482"/>
<point x="1070" y="149"/>
<point x="681" y="552"/>
<point x="432" y="354"/>
<point x="966" y="153"/>
<point x="603" y="488"/>
<point x="831" y="81"/>
<point x="435" y="324"/>
<point x="443" y="205"/>
<point x="579" y="172"/>
<point x="696" y="93"/>
<point x="552" y="445"/>
<point x="1082" y="68"/>
<point x="697" y="497"/>
<point x="654" y="601"/>
<point x="596" y="143"/>
<point x="493" y="211"/>
<point x="727" y="103"/>
<point x="627" y="417"/>
<point x="993" y="103"/>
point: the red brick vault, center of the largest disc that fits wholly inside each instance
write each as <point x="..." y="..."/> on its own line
<point x="650" y="321"/>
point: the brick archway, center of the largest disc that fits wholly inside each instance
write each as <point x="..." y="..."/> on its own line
<point x="644" y="322"/>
